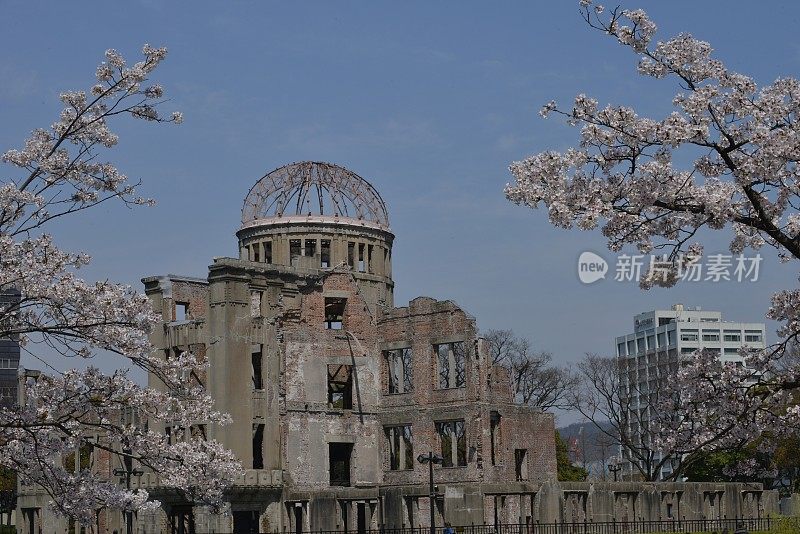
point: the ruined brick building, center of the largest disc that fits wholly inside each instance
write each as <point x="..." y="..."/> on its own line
<point x="333" y="391"/>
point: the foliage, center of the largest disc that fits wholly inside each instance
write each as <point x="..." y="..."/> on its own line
<point x="58" y="172"/>
<point x="567" y="471"/>
<point x="742" y="142"/>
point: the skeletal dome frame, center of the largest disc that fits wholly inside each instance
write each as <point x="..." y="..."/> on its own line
<point x="314" y="188"/>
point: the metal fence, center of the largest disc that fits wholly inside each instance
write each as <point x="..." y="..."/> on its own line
<point x="718" y="526"/>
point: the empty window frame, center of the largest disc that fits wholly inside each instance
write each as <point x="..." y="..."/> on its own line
<point x="400" y="370"/>
<point x="257" y="366"/>
<point x="325" y="253"/>
<point x="310" y="248"/>
<point x="339" y="463"/>
<point x="198" y="432"/>
<point x="340" y="387"/>
<point x="521" y="464"/>
<point x="181" y="311"/>
<point x="494" y="435"/>
<point x="255" y="303"/>
<point x="453" y="440"/>
<point x="401" y="447"/>
<point x="451" y="362"/>
<point x="258" y="446"/>
<point x="351" y="254"/>
<point x="255" y="255"/>
<point x="362" y="258"/>
<point x="295" y="251"/>
<point x="334" y="312"/>
<point x="268" y="251"/>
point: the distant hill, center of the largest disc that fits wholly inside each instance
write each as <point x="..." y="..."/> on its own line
<point x="588" y="445"/>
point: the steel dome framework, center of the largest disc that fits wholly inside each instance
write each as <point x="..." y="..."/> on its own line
<point x="314" y="188"/>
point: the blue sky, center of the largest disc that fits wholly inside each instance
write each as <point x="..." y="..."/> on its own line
<point x="430" y="101"/>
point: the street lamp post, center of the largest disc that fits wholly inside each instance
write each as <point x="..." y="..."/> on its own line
<point x="614" y="469"/>
<point x="431" y="459"/>
<point x="127" y="473"/>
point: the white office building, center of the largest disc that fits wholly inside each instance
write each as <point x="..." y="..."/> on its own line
<point x="650" y="355"/>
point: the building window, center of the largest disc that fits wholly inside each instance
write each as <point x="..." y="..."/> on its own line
<point x="258" y="446"/>
<point x="732" y="336"/>
<point x="196" y="432"/>
<point x="494" y="431"/>
<point x="334" y="313"/>
<point x="453" y="440"/>
<point x="255" y="303"/>
<point x="710" y="335"/>
<point x="340" y="387"/>
<point x="451" y="362"/>
<point x="362" y="258"/>
<point x="325" y="254"/>
<point x="256" y="256"/>
<point x="295" y="251"/>
<point x="310" y="248"/>
<point x="339" y="463"/>
<point x="401" y="447"/>
<point x="689" y="335"/>
<point x="268" y="251"/>
<point x="256" y="358"/>
<point x="521" y="464"/>
<point x="181" y="311"/>
<point x="753" y="336"/>
<point x="401" y="372"/>
<point x="351" y="254"/>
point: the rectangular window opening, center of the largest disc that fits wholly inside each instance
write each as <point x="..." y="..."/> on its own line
<point x="258" y="446"/>
<point x="325" y="254"/>
<point x="310" y="249"/>
<point x="256" y="252"/>
<point x="340" y="387"/>
<point x="339" y="463"/>
<point x="268" y="251"/>
<point x="453" y="442"/>
<point x="369" y="259"/>
<point x="255" y="303"/>
<point x="451" y="359"/>
<point x="521" y="464"/>
<point x="494" y="431"/>
<point x="351" y="254"/>
<point x="401" y="447"/>
<point x="400" y="371"/>
<point x="182" y="311"/>
<point x="334" y="313"/>
<point x="362" y="260"/>
<point x="294" y="251"/>
<point x="256" y="357"/>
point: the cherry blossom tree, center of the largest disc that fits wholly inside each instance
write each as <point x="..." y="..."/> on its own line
<point x="58" y="172"/>
<point x="743" y="142"/>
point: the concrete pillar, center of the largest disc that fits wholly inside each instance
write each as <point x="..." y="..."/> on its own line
<point x="229" y="348"/>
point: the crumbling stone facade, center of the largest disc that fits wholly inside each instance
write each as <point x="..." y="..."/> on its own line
<point x="333" y="391"/>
